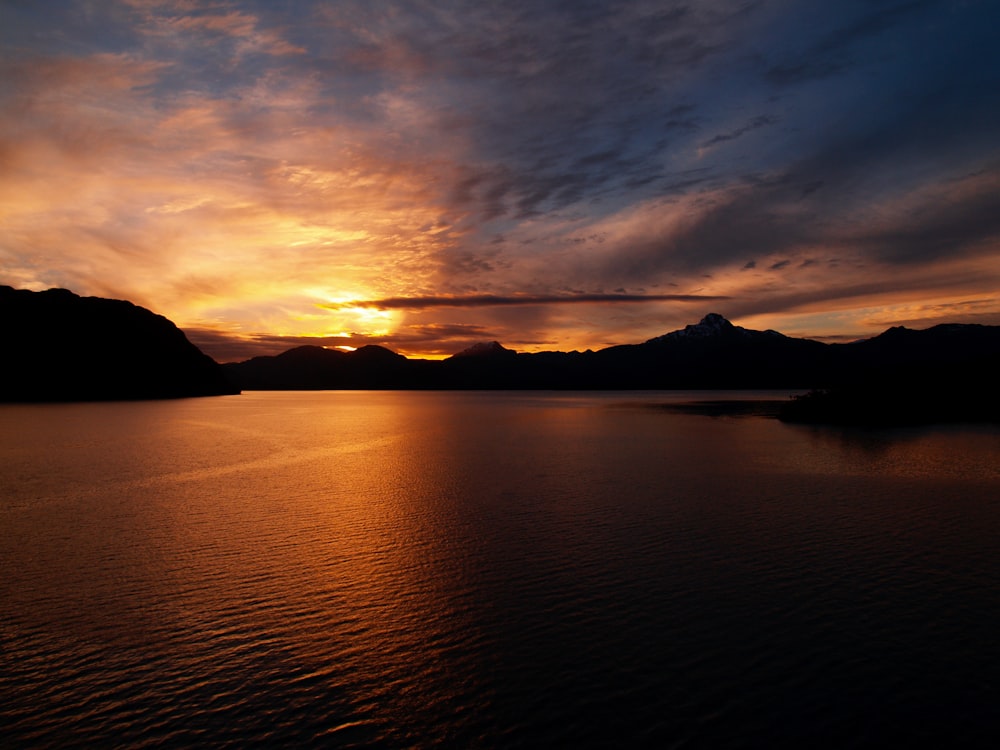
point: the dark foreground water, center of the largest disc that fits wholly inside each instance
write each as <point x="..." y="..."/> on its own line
<point x="491" y="570"/>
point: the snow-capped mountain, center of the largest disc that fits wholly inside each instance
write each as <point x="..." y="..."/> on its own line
<point x="712" y="325"/>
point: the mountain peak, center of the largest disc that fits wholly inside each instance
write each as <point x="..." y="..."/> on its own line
<point x="376" y="353"/>
<point x="714" y="322"/>
<point x="486" y="349"/>
<point x="712" y="326"/>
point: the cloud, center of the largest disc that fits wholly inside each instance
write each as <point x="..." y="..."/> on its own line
<point x="754" y="124"/>
<point x="188" y="25"/>
<point x="871" y="286"/>
<point x="496" y="166"/>
<point x="830" y="54"/>
<point x="960" y="217"/>
<point x="492" y="300"/>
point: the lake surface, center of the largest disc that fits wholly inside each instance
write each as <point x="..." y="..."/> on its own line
<point x="398" y="569"/>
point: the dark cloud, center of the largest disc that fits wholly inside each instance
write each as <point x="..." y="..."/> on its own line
<point x="830" y="53"/>
<point x="917" y="284"/>
<point x="823" y="193"/>
<point x="939" y="226"/>
<point x="718" y="231"/>
<point x="811" y="187"/>
<point x="493" y="300"/>
<point x="558" y="102"/>
<point x="754" y="124"/>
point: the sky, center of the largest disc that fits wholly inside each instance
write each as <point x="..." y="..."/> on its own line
<point x="553" y="175"/>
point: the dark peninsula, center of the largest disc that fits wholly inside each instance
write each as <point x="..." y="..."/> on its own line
<point x="62" y="347"/>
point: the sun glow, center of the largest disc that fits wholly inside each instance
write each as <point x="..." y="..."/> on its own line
<point x="360" y="320"/>
<point x="372" y="322"/>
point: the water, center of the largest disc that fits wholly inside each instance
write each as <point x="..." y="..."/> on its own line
<point x="491" y="570"/>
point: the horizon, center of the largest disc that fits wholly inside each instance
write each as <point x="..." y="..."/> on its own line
<point x="833" y="339"/>
<point x="239" y="352"/>
<point x="553" y="176"/>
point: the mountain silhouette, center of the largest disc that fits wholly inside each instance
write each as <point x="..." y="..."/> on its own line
<point x="948" y="373"/>
<point x="492" y="349"/>
<point x="944" y="372"/>
<point x="62" y="347"/>
<point x="712" y="326"/>
<point x="714" y="353"/>
<point x="313" y="367"/>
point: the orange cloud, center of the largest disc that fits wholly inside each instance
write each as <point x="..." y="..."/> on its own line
<point x="202" y="208"/>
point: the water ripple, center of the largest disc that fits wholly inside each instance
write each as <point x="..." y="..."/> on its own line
<point x="415" y="570"/>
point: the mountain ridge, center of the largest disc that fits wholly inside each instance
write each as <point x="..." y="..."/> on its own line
<point x="713" y="353"/>
<point x="710" y="326"/>
<point x="63" y="347"/>
<point x="59" y="346"/>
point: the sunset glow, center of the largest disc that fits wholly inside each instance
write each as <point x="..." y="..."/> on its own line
<point x="550" y="175"/>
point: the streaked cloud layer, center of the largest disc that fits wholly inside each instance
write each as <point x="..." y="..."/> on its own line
<point x="425" y="175"/>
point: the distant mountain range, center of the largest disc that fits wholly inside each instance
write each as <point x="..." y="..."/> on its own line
<point x="58" y="346"/>
<point x="944" y="373"/>
<point x="711" y="354"/>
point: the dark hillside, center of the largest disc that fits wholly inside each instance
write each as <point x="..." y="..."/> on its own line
<point x="58" y="346"/>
